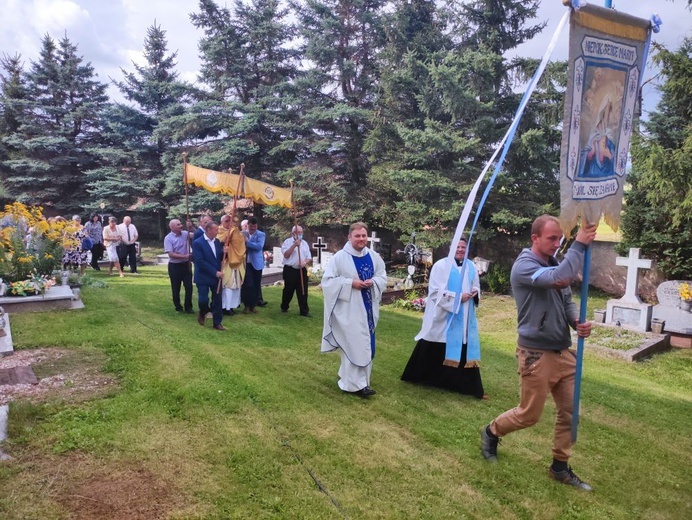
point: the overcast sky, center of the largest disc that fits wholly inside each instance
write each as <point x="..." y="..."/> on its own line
<point x="110" y="33"/>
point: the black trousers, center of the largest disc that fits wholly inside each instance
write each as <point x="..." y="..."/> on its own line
<point x="292" y="285"/>
<point x="96" y="254"/>
<point x="128" y="254"/>
<point x="250" y="291"/>
<point x="205" y="305"/>
<point x="180" y="273"/>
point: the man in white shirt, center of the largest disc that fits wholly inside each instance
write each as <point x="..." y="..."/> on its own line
<point x="128" y="237"/>
<point x="296" y="259"/>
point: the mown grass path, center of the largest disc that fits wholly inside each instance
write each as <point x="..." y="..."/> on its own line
<point x="250" y="424"/>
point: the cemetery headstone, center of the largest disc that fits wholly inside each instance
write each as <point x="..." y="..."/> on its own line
<point x="668" y="309"/>
<point x="320" y="245"/>
<point x="277" y="258"/>
<point x="630" y="310"/>
<point x="372" y="240"/>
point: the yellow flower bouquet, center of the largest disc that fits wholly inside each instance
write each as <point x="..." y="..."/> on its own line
<point x="685" y="292"/>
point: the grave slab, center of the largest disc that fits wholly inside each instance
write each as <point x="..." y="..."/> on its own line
<point x="55" y="298"/>
<point x="22" y="375"/>
<point x="271" y="275"/>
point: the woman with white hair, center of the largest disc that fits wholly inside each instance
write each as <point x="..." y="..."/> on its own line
<point x="74" y="256"/>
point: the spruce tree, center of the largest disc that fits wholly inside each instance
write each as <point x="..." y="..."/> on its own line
<point x="340" y="44"/>
<point x="247" y="115"/>
<point x="131" y="171"/>
<point x="59" y="121"/>
<point x="657" y="216"/>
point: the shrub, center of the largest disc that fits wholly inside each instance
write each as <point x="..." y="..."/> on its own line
<point x="496" y="280"/>
<point x="30" y="245"/>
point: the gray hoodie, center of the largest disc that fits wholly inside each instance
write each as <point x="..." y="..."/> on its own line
<point x="545" y="314"/>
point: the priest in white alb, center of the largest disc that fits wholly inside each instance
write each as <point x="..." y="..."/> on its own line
<point x="448" y="350"/>
<point x="352" y="284"/>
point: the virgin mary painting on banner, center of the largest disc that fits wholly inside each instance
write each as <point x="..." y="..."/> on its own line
<point x="607" y="54"/>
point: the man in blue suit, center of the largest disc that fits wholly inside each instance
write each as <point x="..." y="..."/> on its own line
<point x="207" y="253"/>
<point x="254" y="244"/>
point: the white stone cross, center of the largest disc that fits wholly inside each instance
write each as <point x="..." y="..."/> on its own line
<point x="633" y="264"/>
<point x="373" y="240"/>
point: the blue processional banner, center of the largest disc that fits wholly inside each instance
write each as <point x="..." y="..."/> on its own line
<point x="607" y="54"/>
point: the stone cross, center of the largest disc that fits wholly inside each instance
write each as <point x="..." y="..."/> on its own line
<point x="373" y="240"/>
<point x="633" y="264"/>
<point x="319" y="245"/>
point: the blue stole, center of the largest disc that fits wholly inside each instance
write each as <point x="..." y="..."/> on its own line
<point x="366" y="270"/>
<point x="456" y="324"/>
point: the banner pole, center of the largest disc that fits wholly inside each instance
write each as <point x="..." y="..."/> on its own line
<point x="295" y="224"/>
<point x="187" y="209"/>
<point x="580" y="341"/>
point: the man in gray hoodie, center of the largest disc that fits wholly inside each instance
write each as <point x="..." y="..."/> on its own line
<point x="545" y="313"/>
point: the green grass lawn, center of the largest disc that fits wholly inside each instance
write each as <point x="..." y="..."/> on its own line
<point x="250" y="424"/>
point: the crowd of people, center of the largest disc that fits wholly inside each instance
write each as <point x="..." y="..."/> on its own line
<point x="228" y="261"/>
<point x="90" y="241"/>
<point x="447" y="354"/>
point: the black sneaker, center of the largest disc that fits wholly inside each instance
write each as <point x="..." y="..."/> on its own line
<point x="569" y="477"/>
<point x="489" y="446"/>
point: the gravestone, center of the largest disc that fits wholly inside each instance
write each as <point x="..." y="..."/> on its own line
<point x="326" y="258"/>
<point x="372" y="240"/>
<point x="677" y="320"/>
<point x="320" y="245"/>
<point x="6" y="345"/>
<point x="630" y="310"/>
<point x="277" y="258"/>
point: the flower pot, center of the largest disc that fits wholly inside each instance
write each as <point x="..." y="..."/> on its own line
<point x="657" y="326"/>
<point x="686" y="305"/>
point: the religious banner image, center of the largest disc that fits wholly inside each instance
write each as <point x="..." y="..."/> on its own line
<point x="606" y="61"/>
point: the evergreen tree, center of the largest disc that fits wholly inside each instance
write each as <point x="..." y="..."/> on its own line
<point x="59" y="122"/>
<point x="447" y="97"/>
<point x="12" y="101"/>
<point x="341" y="40"/>
<point x="657" y="216"/>
<point x="131" y="171"/>
<point x="247" y="117"/>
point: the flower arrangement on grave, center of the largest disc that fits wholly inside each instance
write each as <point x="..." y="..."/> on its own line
<point x="315" y="272"/>
<point x="31" y="248"/>
<point x="685" y="292"/>
<point x="37" y="284"/>
<point x="411" y="302"/>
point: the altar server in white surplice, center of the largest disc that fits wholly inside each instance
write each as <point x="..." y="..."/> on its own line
<point x="352" y="284"/>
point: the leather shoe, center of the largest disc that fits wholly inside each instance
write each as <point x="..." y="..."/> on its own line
<point x="306" y="315"/>
<point x="190" y="311"/>
<point x="219" y="327"/>
<point x="227" y="312"/>
<point x="262" y="303"/>
<point x="200" y="319"/>
<point x="284" y="310"/>
<point x="178" y="309"/>
<point x="253" y="310"/>
<point x="366" y="392"/>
